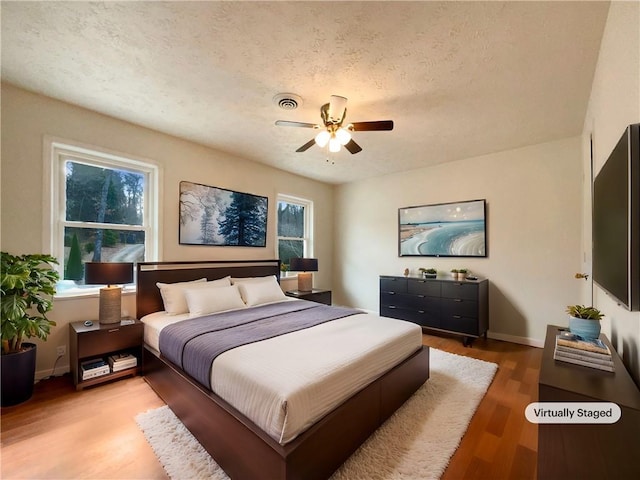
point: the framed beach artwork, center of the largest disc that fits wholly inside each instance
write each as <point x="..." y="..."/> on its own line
<point x="221" y="217"/>
<point x="456" y="229"/>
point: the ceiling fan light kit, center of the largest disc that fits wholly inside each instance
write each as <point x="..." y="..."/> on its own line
<point x="334" y="133"/>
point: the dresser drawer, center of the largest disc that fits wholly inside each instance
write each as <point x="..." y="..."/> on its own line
<point x="393" y="284"/>
<point x="97" y="342"/>
<point x="460" y="324"/>
<point x="460" y="307"/>
<point x="423" y="287"/>
<point x="467" y="291"/>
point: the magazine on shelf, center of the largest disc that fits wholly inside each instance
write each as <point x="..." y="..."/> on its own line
<point x="94" y="368"/>
<point x="579" y="343"/>
<point x="560" y="357"/>
<point x="122" y="361"/>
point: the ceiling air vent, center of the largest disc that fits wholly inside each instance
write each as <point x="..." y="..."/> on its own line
<point x="287" y="101"/>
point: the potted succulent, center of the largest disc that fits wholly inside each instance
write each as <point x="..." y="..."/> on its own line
<point x="28" y="283"/>
<point x="428" y="272"/>
<point x="462" y="273"/>
<point x="584" y="321"/>
<point x="454" y="273"/>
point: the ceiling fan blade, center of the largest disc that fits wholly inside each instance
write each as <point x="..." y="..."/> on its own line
<point x="286" y="123"/>
<point x="307" y="145"/>
<point x="372" y="126"/>
<point x="353" y="147"/>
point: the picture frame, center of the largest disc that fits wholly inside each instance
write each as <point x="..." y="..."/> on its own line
<point x="220" y="217"/>
<point x="455" y="229"/>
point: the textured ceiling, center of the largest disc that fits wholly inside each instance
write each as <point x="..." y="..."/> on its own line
<point x="459" y="79"/>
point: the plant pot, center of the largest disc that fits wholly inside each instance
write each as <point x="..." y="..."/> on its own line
<point x="430" y="275"/>
<point x="585" y="328"/>
<point x="461" y="276"/>
<point x="18" y="374"/>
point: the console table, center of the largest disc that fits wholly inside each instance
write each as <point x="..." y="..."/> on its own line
<point x="588" y="451"/>
<point x="443" y="304"/>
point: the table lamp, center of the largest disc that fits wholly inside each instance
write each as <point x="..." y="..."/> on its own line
<point x="304" y="266"/>
<point x="111" y="274"/>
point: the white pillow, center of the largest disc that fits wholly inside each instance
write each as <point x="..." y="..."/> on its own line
<point x="257" y="292"/>
<point x="238" y="280"/>
<point x="173" y="297"/>
<point x="202" y="301"/>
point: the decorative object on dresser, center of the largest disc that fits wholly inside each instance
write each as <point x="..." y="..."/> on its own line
<point x="28" y="285"/>
<point x="304" y="267"/>
<point x="428" y="272"/>
<point x="111" y="274"/>
<point x="443" y="230"/>
<point x="315" y="295"/>
<point x="440" y="304"/>
<point x="596" y="450"/>
<point x="121" y="342"/>
<point x="584" y="321"/>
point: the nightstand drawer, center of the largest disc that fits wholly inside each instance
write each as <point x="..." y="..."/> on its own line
<point x="110" y="340"/>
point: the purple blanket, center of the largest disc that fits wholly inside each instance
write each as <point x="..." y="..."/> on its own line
<point x="193" y="344"/>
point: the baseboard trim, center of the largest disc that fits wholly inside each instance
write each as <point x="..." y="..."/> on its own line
<point x="58" y="371"/>
<point x="531" y="342"/>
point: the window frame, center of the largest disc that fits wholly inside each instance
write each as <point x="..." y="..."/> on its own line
<point x="56" y="153"/>
<point x="307" y="238"/>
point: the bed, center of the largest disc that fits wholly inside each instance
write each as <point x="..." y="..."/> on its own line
<point x="243" y="446"/>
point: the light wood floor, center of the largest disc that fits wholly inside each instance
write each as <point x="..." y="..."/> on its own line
<point x="61" y="433"/>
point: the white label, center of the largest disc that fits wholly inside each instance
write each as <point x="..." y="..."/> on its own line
<point x="573" y="412"/>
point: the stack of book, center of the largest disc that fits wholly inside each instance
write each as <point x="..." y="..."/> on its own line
<point x="588" y="353"/>
<point x="95" y="367"/>
<point x="122" y="361"/>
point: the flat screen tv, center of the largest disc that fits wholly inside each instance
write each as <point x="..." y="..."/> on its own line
<point x="616" y="222"/>
<point x="456" y="229"/>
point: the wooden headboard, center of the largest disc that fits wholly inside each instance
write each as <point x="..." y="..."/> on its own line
<point x="148" y="298"/>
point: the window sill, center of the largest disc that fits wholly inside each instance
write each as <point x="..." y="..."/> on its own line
<point x="76" y="293"/>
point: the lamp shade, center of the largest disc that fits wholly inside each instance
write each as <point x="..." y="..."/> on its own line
<point x="111" y="273"/>
<point x="303" y="265"/>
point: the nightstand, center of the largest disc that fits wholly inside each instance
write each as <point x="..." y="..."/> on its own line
<point x="100" y="341"/>
<point x="315" y="295"/>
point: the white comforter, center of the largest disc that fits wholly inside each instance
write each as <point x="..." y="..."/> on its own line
<point x="286" y="384"/>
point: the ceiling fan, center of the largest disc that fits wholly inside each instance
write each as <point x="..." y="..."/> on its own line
<point x="333" y="132"/>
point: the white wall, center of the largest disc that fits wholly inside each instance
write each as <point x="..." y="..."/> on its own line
<point x="534" y="221"/>
<point x="27" y="118"/>
<point x="614" y="104"/>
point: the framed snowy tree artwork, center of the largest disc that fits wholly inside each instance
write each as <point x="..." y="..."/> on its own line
<point x="221" y="217"/>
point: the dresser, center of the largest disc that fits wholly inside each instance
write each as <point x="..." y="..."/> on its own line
<point x="588" y="451"/>
<point x="442" y="304"/>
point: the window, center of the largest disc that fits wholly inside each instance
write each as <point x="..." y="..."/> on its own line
<point x="103" y="209"/>
<point x="294" y="228"/>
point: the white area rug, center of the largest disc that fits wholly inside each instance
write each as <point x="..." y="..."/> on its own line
<point x="416" y="442"/>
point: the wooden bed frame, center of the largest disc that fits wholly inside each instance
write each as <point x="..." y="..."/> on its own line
<point x="241" y="448"/>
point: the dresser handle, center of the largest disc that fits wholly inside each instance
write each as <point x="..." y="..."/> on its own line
<point x="457" y="299"/>
<point x="420" y="311"/>
<point x="457" y="316"/>
<point x="392" y="307"/>
<point x="113" y="330"/>
<point x="391" y="293"/>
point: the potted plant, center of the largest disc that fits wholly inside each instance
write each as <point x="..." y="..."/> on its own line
<point x="584" y="321"/>
<point x="462" y="273"/>
<point x="428" y="272"/>
<point x="454" y="273"/>
<point x="28" y="283"/>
